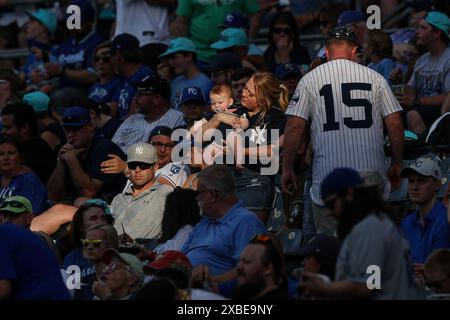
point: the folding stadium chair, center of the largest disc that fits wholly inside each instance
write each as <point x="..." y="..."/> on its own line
<point x="277" y="217"/>
<point x="291" y="239"/>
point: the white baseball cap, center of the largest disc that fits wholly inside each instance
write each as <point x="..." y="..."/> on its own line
<point x="142" y="152"/>
<point x="423" y="166"/>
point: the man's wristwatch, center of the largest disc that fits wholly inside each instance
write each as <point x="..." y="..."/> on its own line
<point x="416" y="102"/>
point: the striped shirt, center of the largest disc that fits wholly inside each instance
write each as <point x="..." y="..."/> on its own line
<point x="346" y="103"/>
<point x="136" y="129"/>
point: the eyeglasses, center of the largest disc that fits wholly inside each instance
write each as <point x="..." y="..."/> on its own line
<point x="95" y="243"/>
<point x="141" y="165"/>
<point x="280" y="30"/>
<point x="105" y="59"/>
<point x="113" y="267"/>
<point x="161" y="145"/>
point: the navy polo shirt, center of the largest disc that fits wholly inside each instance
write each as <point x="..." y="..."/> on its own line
<point x="433" y="235"/>
<point x="125" y="94"/>
<point x="77" y="55"/>
<point x="219" y="243"/>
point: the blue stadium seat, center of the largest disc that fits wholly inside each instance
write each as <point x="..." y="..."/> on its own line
<point x="277" y="217"/>
<point x="291" y="239"/>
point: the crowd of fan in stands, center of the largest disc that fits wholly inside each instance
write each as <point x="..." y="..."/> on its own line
<point x="133" y="152"/>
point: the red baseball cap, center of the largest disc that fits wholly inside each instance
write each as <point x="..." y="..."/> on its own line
<point x="170" y="258"/>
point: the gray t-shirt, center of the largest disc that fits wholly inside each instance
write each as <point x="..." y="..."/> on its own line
<point x="377" y="241"/>
<point x="431" y="76"/>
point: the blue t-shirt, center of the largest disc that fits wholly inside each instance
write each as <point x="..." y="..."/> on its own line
<point x="104" y="92"/>
<point x="384" y="67"/>
<point x="179" y="83"/>
<point x="219" y="243"/>
<point x="29" y="265"/>
<point x="87" y="277"/>
<point x="77" y="55"/>
<point x="35" y="63"/>
<point x="29" y="186"/>
<point x="434" y="235"/>
<point x="125" y="93"/>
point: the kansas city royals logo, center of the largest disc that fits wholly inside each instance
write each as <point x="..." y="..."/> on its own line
<point x="192" y="91"/>
<point x="139" y="150"/>
<point x="175" y="168"/>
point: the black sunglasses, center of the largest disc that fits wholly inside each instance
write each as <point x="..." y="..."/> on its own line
<point x="141" y="165"/>
<point x="105" y="59"/>
<point x="280" y="30"/>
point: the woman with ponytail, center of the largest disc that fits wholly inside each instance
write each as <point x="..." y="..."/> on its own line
<point x="264" y="100"/>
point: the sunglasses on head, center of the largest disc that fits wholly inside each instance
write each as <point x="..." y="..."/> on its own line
<point x="280" y="30"/>
<point x="141" y="165"/>
<point x="105" y="59"/>
<point x="95" y="243"/>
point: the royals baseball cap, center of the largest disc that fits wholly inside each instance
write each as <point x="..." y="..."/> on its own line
<point x="131" y="260"/>
<point x="440" y="21"/>
<point x="45" y="16"/>
<point x="161" y="131"/>
<point x="38" y="100"/>
<point x="225" y="61"/>
<point x="76" y="117"/>
<point x="339" y="180"/>
<point x="141" y="152"/>
<point x="124" y="42"/>
<point x="349" y="17"/>
<point x="288" y="69"/>
<point x="423" y="166"/>
<point x="180" y="44"/>
<point x="229" y="38"/>
<point x="154" y="83"/>
<point x="235" y="20"/>
<point x="16" y="205"/>
<point x="343" y="33"/>
<point x="192" y="94"/>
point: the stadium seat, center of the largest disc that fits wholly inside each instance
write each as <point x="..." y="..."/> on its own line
<point x="277" y="217"/>
<point x="291" y="239"/>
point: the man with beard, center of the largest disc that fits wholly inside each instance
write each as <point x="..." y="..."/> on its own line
<point x="371" y="242"/>
<point x="261" y="270"/>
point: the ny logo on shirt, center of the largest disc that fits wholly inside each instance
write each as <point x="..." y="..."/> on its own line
<point x="258" y="135"/>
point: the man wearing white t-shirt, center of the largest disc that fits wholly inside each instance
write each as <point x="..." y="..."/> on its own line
<point x="153" y="100"/>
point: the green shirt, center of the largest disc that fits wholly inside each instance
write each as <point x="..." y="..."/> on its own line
<point x="206" y="15"/>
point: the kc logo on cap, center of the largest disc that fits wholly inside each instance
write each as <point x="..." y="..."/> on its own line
<point x="192" y="91"/>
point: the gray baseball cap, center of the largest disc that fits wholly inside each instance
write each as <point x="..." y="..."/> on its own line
<point x="141" y="152"/>
<point x="423" y="166"/>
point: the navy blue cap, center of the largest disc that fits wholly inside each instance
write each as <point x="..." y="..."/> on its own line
<point x="339" y="180"/>
<point x="86" y="9"/>
<point x="343" y="33"/>
<point x="154" y="83"/>
<point x="350" y="16"/>
<point x="124" y="42"/>
<point x="225" y="61"/>
<point x="192" y="94"/>
<point x="285" y="70"/>
<point x="76" y="117"/>
<point x="160" y="131"/>
<point x="235" y="20"/>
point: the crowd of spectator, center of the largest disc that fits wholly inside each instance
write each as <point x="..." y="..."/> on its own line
<point x="144" y="154"/>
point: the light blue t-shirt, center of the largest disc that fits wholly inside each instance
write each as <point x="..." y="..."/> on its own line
<point x="384" y="67"/>
<point x="179" y="83"/>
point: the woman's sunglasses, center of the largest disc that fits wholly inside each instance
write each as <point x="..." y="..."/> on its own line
<point x="284" y="30"/>
<point x="95" y="243"/>
<point x="105" y="59"/>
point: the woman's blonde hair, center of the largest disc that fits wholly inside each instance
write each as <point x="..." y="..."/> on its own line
<point x="269" y="92"/>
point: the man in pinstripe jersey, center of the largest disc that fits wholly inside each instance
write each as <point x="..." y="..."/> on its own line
<point x="347" y="104"/>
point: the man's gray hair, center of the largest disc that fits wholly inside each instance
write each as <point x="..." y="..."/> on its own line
<point x="218" y="177"/>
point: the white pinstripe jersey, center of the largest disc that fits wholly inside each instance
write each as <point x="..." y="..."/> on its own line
<point x="136" y="129"/>
<point x="346" y="103"/>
